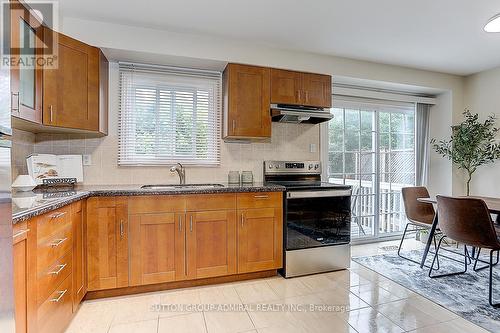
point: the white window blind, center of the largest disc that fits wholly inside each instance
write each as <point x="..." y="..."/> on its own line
<point x="169" y="115"/>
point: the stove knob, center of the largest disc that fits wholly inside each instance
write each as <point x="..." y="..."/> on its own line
<point x="316" y="166"/>
<point x="310" y="166"/>
<point x="270" y="166"/>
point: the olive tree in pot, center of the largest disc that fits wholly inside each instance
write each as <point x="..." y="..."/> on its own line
<point x="471" y="145"/>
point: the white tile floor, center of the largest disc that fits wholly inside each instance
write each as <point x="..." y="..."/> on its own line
<point x="374" y="304"/>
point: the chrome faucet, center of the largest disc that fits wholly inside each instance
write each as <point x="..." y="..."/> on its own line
<point x="180" y="171"/>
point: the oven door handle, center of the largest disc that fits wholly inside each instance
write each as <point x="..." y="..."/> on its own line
<point x="318" y="194"/>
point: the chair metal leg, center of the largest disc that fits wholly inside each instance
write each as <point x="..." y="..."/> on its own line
<point x="477" y="269"/>
<point x="490" y="292"/>
<point x="447" y="274"/>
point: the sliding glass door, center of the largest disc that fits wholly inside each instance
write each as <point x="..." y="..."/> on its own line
<point x="371" y="146"/>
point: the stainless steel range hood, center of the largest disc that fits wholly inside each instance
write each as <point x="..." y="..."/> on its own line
<point x="299" y="114"/>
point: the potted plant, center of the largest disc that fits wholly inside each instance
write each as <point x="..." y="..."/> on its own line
<point x="471" y="145"/>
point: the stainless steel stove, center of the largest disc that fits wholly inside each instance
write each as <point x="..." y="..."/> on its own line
<point x="317" y="218"/>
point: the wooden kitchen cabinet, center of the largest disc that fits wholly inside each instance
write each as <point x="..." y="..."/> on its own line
<point x="246" y="102"/>
<point x="75" y="93"/>
<point x="26" y="79"/>
<point x="79" y="253"/>
<point x="260" y="232"/>
<point x="211" y="243"/>
<point x="21" y="277"/>
<point x="107" y="243"/>
<point x="157" y="248"/>
<point x="297" y="88"/>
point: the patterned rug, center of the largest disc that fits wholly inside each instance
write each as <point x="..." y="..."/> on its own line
<point x="466" y="294"/>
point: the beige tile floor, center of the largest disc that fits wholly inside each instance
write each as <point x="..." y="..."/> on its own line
<point x="360" y="301"/>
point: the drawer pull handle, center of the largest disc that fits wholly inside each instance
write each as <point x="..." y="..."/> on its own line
<point x="58" y="242"/>
<point x="61" y="295"/>
<point x="242" y="219"/>
<point x="180" y="223"/>
<point x="191" y="223"/>
<point x="122" y="231"/>
<point x="19" y="233"/>
<point x="56" y="272"/>
<point x="261" y="196"/>
<point x="57" y="215"/>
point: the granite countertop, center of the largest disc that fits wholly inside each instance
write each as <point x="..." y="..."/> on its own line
<point x="26" y="205"/>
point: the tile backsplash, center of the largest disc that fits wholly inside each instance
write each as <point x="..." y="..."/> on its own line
<point x="288" y="142"/>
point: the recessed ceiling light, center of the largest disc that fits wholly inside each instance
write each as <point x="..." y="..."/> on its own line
<point x="493" y="24"/>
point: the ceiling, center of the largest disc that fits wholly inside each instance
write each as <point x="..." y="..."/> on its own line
<point x="444" y="35"/>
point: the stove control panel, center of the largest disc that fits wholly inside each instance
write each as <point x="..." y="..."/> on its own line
<point x="307" y="167"/>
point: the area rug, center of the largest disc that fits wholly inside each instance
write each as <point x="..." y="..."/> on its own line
<point x="466" y="295"/>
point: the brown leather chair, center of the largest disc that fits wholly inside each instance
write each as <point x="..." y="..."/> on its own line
<point x="420" y="215"/>
<point x="468" y="221"/>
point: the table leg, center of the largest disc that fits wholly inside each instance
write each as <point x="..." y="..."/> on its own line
<point x="429" y="241"/>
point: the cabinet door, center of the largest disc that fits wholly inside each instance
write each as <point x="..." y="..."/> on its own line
<point x="26" y="79"/>
<point x="21" y="282"/>
<point x="157" y="248"/>
<point x="71" y="92"/>
<point x="79" y="254"/>
<point x="247" y="114"/>
<point x="211" y="243"/>
<point x="107" y="243"/>
<point x="260" y="239"/>
<point x="286" y="87"/>
<point x="317" y="90"/>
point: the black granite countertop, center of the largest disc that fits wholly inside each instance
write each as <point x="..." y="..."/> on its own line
<point x="26" y="205"/>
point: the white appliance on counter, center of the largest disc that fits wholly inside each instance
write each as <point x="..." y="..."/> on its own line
<point x="55" y="167"/>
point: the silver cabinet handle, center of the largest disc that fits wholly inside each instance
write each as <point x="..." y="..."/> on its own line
<point x="18" y="107"/>
<point x="19" y="233"/>
<point x="234" y="126"/>
<point x="57" y="215"/>
<point x="51" y="113"/>
<point x="242" y="219"/>
<point x="261" y="196"/>
<point x="191" y="223"/>
<point x="58" y="242"/>
<point x="298" y="95"/>
<point x="306" y="93"/>
<point x="122" y="231"/>
<point x="59" y="270"/>
<point x="180" y="223"/>
<point x="62" y="293"/>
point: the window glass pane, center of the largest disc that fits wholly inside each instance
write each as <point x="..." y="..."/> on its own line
<point x="366" y="141"/>
<point x="367" y="163"/>
<point x="351" y="162"/>
<point x="384" y="139"/>
<point x="351" y="120"/>
<point x="397" y="122"/>
<point x="367" y="121"/>
<point x="410" y="122"/>
<point x="385" y="122"/>
<point x="351" y="141"/>
<point x="336" y="163"/>
<point x="336" y="130"/>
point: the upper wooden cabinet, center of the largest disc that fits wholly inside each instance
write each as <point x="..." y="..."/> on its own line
<point x="297" y="88"/>
<point x="75" y="94"/>
<point x="246" y="102"/>
<point x="107" y="243"/>
<point x="26" y="80"/>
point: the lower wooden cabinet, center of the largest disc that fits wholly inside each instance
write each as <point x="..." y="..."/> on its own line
<point x="79" y="253"/>
<point x="211" y="243"/>
<point x="107" y="243"/>
<point x="21" y="277"/>
<point x="260" y="239"/>
<point x="157" y="248"/>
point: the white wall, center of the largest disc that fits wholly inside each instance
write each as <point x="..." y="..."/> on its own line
<point x="158" y="42"/>
<point x="482" y="96"/>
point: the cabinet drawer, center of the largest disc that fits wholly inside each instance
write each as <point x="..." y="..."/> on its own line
<point x="52" y="222"/>
<point x="55" y="313"/>
<point x="156" y="204"/>
<point x="52" y="248"/>
<point x="259" y="200"/>
<point x="49" y="279"/>
<point x="197" y="202"/>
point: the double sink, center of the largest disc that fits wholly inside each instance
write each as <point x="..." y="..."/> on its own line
<point x="181" y="186"/>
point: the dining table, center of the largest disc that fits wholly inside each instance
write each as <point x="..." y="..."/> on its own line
<point x="493" y="205"/>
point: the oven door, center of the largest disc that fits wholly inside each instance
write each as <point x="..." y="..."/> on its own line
<point x="317" y="218"/>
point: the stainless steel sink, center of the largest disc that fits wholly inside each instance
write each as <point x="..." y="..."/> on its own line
<point x="181" y="187"/>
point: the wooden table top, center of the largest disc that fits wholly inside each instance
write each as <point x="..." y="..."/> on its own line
<point x="492" y="203"/>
